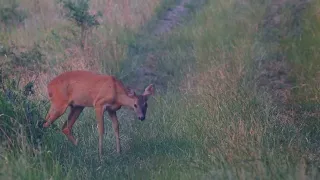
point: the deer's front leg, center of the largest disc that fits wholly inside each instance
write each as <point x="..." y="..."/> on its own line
<point x="115" y="125"/>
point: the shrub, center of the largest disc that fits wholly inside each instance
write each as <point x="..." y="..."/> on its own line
<point x="78" y="12"/>
<point x="19" y="117"/>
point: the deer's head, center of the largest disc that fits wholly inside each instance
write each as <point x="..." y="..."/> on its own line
<point x="140" y="105"/>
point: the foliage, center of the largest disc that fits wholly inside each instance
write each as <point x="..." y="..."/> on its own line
<point x="29" y="60"/>
<point x="20" y="117"/>
<point x="10" y="14"/>
<point x="78" y="11"/>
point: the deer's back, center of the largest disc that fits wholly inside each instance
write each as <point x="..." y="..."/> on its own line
<point x="81" y="87"/>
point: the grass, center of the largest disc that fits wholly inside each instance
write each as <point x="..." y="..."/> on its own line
<point x="47" y="27"/>
<point x="212" y="122"/>
<point x="302" y="53"/>
<point x="303" y="56"/>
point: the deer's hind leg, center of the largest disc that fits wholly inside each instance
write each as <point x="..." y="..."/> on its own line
<point x="67" y="126"/>
<point x="55" y="111"/>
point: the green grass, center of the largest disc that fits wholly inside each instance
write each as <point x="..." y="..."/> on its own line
<point x="211" y="123"/>
<point x="303" y="56"/>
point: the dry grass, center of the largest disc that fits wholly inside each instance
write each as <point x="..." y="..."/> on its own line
<point x="59" y="38"/>
<point x="127" y="13"/>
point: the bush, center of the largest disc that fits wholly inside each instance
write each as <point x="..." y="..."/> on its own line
<point x="19" y="117"/>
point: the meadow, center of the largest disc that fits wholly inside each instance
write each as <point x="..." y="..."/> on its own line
<point x="237" y="90"/>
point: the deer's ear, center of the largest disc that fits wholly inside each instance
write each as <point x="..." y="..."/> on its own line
<point x="130" y="92"/>
<point x="149" y="90"/>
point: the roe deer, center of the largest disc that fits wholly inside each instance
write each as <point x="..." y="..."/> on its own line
<point x="80" y="89"/>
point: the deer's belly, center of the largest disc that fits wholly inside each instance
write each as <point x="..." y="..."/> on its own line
<point x="111" y="107"/>
<point x="84" y="101"/>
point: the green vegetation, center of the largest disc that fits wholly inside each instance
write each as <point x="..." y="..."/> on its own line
<point x="211" y="122"/>
<point x="303" y="55"/>
<point x="79" y="12"/>
<point x="10" y="14"/>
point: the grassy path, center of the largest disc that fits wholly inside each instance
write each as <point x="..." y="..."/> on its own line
<point x="142" y="66"/>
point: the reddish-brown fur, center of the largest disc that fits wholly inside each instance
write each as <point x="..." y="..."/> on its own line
<point x="80" y="89"/>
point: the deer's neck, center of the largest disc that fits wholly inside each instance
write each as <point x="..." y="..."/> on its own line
<point x="125" y="100"/>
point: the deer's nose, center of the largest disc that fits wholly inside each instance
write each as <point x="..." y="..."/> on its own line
<point x="141" y="118"/>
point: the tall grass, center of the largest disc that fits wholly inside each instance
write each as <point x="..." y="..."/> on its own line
<point x="240" y="128"/>
<point x="211" y="123"/>
<point x="303" y="56"/>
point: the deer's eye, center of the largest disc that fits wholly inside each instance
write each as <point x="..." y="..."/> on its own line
<point x="135" y="105"/>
